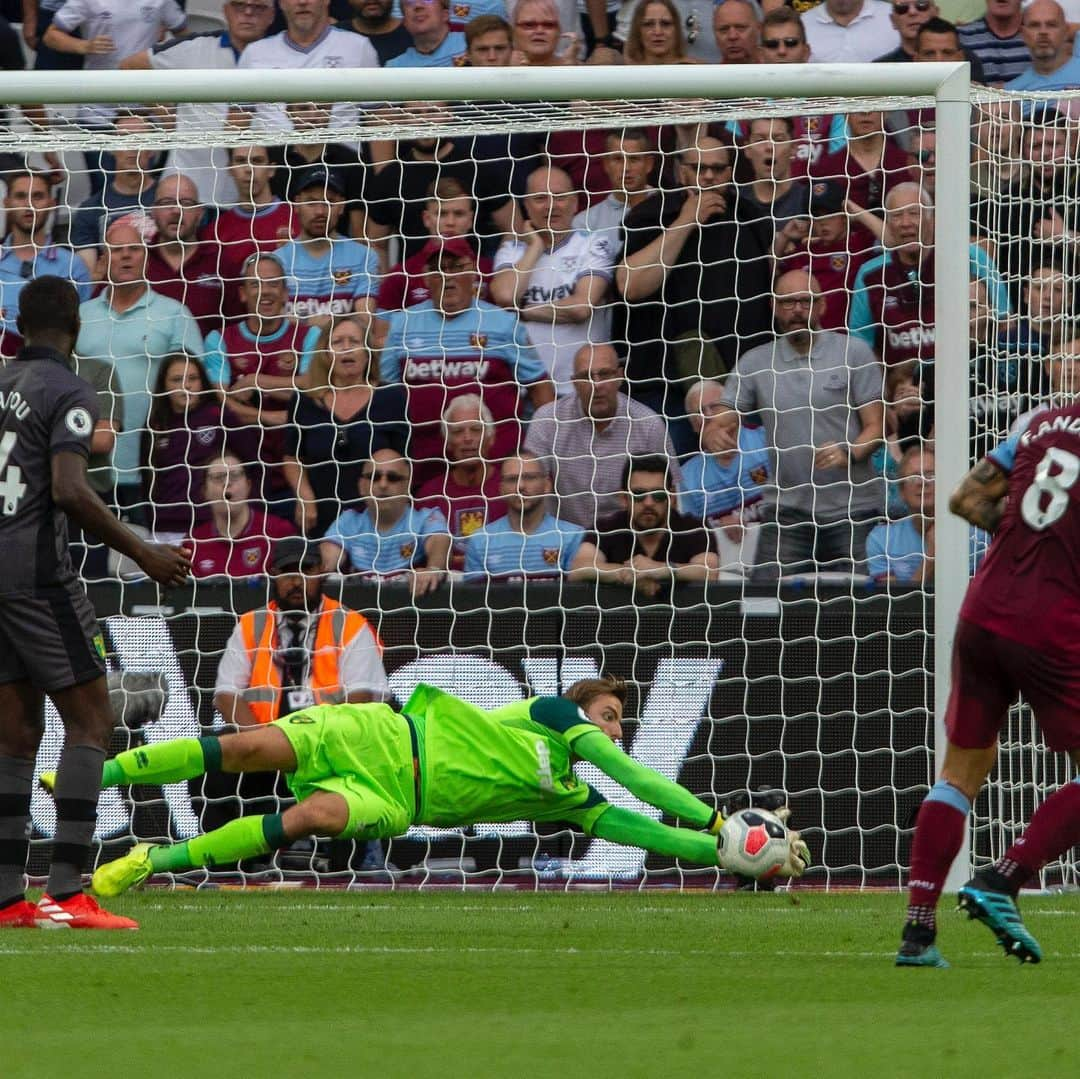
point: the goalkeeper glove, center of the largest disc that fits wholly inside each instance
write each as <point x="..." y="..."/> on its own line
<point x="798" y="856"/>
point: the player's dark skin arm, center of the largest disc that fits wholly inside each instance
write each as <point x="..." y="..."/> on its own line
<point x="980" y="498"/>
<point x="73" y="494"/>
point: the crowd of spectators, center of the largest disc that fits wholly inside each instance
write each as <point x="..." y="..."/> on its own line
<point x="637" y="356"/>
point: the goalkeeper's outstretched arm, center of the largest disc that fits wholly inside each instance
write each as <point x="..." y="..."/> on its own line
<point x="631" y="829"/>
<point x="648" y="784"/>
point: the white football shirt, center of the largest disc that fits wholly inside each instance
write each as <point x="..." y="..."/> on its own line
<point x="554" y="277"/>
<point x="335" y="48"/>
<point x="133" y="25"/>
<point x="207" y="167"/>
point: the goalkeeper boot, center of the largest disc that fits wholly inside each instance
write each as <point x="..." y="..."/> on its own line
<point x="997" y="910"/>
<point x="917" y="948"/>
<point x="47" y="782"/>
<point x="115" y="878"/>
<point x="18" y="915"/>
<point x="79" y="911"/>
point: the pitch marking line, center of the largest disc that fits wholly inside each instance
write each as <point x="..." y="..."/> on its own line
<point x="281" y="949"/>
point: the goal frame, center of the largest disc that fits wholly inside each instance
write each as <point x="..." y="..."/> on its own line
<point x="948" y="84"/>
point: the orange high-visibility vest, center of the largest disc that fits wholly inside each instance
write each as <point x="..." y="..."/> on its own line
<point x="337" y="626"/>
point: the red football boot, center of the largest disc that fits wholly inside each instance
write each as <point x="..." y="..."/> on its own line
<point x="79" y="912"/>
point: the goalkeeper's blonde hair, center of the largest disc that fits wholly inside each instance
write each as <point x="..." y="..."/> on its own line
<point x="585" y="691"/>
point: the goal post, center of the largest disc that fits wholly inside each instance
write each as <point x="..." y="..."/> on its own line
<point x="598" y="98"/>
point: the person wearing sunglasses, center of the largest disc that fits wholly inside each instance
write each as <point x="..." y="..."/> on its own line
<point x="908" y="16"/>
<point x="390" y="537"/>
<point x="850" y="31"/>
<point x="783" y="38"/>
<point x="648" y="545"/>
<point x="538" y="39"/>
<point x="783" y="41"/>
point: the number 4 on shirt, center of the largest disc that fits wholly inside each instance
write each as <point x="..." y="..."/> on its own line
<point x="12" y="487"/>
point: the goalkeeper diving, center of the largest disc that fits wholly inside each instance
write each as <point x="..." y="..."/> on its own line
<point x="364" y="771"/>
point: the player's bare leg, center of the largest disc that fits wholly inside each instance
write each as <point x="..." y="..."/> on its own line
<point x="939" y="834"/>
<point x="21" y="728"/>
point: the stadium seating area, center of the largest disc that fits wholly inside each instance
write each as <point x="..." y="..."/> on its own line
<point x="572" y="353"/>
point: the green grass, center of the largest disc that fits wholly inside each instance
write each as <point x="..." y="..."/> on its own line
<point x="527" y="985"/>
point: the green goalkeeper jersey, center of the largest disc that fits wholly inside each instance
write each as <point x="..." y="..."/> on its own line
<point x="516" y="762"/>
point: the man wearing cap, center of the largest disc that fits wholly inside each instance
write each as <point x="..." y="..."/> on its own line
<point x="330" y="275"/>
<point x="455" y="344"/>
<point x="303" y="648"/>
<point x="449" y="210"/>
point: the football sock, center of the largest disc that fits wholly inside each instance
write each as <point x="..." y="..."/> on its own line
<point x="242" y="838"/>
<point x="78" y="780"/>
<point x="939" y="834"/>
<point x="165" y="762"/>
<point x="16" y="784"/>
<point x="634" y="830"/>
<point x="1053" y="829"/>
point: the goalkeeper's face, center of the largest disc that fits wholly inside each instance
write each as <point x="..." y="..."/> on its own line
<point x="606" y="711"/>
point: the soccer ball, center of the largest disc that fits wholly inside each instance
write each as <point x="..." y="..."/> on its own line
<point x="753" y="843"/>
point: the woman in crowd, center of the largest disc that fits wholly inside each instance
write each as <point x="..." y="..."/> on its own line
<point x="538" y="36"/>
<point x="237" y="539"/>
<point x="656" y="35"/>
<point x="183" y="433"/>
<point x="338" y="423"/>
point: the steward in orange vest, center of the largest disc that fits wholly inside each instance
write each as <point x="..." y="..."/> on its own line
<point x="336" y="627"/>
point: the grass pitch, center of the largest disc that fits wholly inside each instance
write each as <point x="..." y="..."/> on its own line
<point x="523" y="985"/>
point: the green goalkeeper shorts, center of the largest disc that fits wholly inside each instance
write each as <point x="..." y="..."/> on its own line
<point x="362" y="752"/>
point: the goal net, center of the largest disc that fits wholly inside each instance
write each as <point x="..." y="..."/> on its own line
<point x="250" y="273"/>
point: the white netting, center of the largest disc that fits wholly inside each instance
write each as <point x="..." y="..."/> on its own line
<point x="820" y="684"/>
